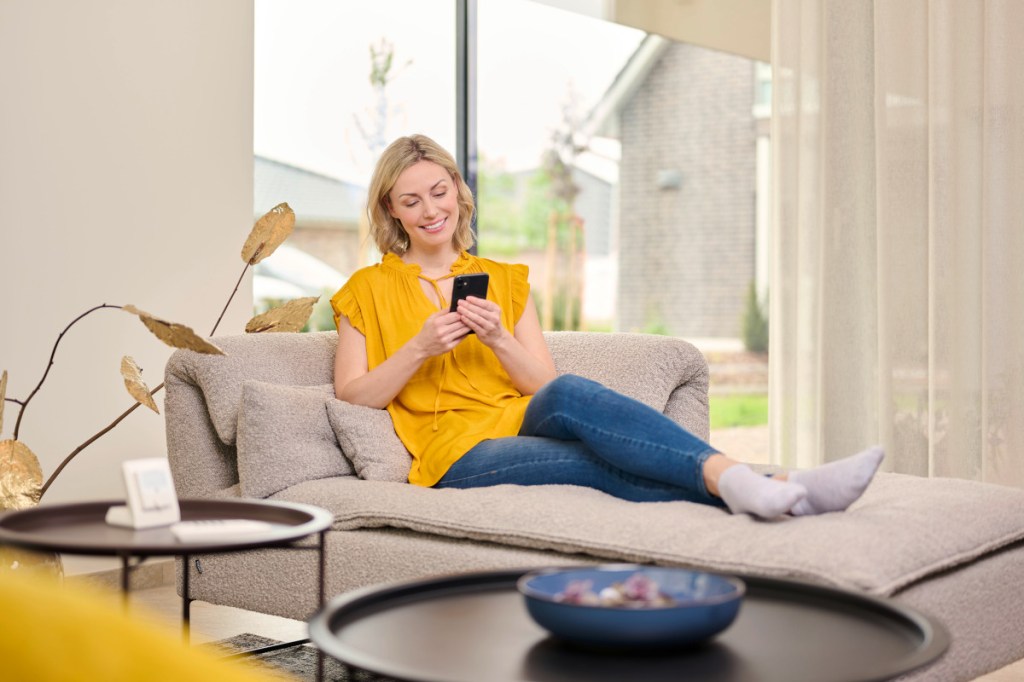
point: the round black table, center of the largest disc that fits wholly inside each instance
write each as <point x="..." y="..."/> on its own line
<point x="473" y="627"/>
<point x="81" y="528"/>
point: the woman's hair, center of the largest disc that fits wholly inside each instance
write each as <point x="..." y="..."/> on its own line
<point x="387" y="231"/>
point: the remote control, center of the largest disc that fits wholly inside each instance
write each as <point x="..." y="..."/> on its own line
<point x="217" y="529"/>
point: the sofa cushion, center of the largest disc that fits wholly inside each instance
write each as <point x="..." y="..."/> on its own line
<point x="901" y="531"/>
<point x="367" y="437"/>
<point x="284" y="437"/>
<point x="280" y="358"/>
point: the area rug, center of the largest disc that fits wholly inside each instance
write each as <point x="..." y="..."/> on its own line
<point x="297" y="662"/>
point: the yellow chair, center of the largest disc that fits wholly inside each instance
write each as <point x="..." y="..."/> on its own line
<point x="50" y="631"/>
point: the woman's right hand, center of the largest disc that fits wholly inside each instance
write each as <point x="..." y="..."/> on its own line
<point x="440" y="333"/>
<point x="354" y="382"/>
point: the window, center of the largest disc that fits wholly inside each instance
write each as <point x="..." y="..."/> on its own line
<point x="334" y="84"/>
<point x="622" y="167"/>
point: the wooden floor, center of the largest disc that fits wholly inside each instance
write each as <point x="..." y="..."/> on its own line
<point x="210" y="623"/>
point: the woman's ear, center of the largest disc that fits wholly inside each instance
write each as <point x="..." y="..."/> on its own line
<point x="386" y="202"/>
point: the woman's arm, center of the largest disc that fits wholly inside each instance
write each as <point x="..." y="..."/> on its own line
<point x="524" y="354"/>
<point x="354" y="382"/>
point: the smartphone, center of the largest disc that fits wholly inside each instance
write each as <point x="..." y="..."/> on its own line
<point x="474" y="284"/>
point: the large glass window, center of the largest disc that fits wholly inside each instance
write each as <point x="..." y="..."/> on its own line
<point x="622" y="167"/>
<point x="335" y="82"/>
<point x="630" y="172"/>
<point x="547" y="179"/>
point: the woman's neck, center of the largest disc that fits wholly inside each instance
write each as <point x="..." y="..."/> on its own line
<point x="432" y="264"/>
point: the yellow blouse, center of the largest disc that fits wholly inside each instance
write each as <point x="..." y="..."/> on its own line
<point x="455" y="400"/>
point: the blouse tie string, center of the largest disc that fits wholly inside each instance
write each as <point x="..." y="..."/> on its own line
<point x="444" y="358"/>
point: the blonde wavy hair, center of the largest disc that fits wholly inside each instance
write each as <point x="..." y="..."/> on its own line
<point x="386" y="231"/>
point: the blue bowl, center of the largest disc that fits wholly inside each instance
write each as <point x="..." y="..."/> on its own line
<point x="704" y="605"/>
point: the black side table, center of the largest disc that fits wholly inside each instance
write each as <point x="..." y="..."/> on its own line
<point x="81" y="528"/>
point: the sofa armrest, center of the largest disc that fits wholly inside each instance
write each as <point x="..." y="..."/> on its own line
<point x="664" y="372"/>
<point x="202" y="466"/>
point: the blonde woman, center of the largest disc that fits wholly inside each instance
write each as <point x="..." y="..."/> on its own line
<point x="486" y="408"/>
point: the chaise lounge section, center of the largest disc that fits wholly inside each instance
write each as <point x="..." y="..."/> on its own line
<point x="262" y="422"/>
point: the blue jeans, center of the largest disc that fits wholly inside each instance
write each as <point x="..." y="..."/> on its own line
<point x="578" y="432"/>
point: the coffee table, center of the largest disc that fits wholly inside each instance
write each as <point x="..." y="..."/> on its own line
<point x="81" y="528"/>
<point x="475" y="626"/>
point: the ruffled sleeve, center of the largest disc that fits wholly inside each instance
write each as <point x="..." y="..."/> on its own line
<point x="344" y="303"/>
<point x="520" y="281"/>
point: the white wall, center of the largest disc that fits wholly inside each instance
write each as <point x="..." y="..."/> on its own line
<point x="125" y="177"/>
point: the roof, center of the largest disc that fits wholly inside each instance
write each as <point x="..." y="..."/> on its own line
<point x="313" y="197"/>
<point x="603" y="119"/>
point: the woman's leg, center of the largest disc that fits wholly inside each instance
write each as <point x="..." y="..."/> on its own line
<point x="533" y="460"/>
<point x="639" y="440"/>
<point x="579" y="432"/>
<point x="624" y="432"/>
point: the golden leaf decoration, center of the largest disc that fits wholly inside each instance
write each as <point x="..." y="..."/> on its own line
<point x="174" y="334"/>
<point x="136" y="386"/>
<point x="21" y="478"/>
<point x="289" y="317"/>
<point x="3" y="397"/>
<point x="268" y="233"/>
<point x="47" y="565"/>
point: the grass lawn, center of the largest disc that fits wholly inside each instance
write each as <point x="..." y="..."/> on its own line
<point x="738" y="410"/>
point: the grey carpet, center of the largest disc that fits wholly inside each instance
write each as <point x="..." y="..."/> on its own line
<point x="297" y="661"/>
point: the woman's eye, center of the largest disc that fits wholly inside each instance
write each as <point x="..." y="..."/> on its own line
<point x="438" y="196"/>
<point x="411" y="204"/>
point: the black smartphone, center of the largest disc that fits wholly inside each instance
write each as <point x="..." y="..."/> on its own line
<point x="474" y="284"/>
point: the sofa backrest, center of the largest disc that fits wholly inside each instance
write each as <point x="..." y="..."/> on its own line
<point x="204" y="391"/>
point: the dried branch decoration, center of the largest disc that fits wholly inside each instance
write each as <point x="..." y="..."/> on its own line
<point x="135" y="385"/>
<point x="3" y="398"/>
<point x="268" y="233"/>
<point x="20" y="472"/>
<point x="287" y="317"/>
<point x="21" y="477"/>
<point x="174" y="334"/>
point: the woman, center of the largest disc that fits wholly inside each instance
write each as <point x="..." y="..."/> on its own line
<point x="488" y="408"/>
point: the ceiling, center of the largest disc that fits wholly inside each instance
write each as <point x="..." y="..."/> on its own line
<point x="741" y="27"/>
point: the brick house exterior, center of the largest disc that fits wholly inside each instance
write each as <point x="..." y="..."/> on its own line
<point x="687" y="191"/>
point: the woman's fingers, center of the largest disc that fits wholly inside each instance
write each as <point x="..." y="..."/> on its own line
<point x="482" y="316"/>
<point x="441" y="332"/>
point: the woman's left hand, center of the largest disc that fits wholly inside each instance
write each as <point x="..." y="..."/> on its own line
<point x="484" y="318"/>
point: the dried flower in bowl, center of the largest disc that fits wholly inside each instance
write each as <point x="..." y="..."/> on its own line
<point x="637" y="591"/>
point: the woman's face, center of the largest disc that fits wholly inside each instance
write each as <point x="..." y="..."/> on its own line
<point x="425" y="201"/>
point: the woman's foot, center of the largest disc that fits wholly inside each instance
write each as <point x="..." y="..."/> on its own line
<point x="747" y="492"/>
<point x="836" y="485"/>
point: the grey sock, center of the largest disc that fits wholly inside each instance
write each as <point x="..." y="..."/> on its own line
<point x="836" y="485"/>
<point x="747" y="492"/>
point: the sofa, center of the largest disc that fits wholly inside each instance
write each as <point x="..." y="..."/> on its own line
<point x="262" y="421"/>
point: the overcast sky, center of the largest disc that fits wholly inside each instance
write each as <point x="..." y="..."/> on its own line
<point x="312" y="67"/>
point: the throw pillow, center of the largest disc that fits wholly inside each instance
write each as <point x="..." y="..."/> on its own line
<point x="284" y="438"/>
<point x="368" y="438"/>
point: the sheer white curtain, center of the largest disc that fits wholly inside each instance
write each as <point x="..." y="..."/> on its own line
<point x="897" y="299"/>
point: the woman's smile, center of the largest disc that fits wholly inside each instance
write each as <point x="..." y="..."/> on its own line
<point x="434" y="228"/>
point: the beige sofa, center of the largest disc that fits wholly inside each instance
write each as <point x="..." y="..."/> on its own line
<point x="259" y="421"/>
